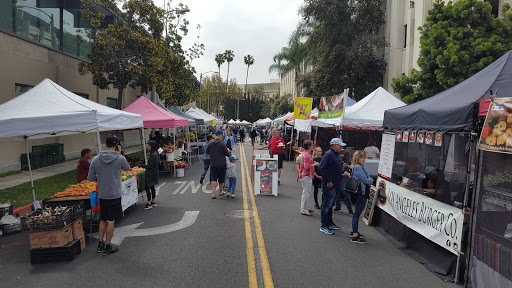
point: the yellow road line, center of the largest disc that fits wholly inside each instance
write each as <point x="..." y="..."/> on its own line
<point x="251" y="265"/>
<point x="265" y="267"/>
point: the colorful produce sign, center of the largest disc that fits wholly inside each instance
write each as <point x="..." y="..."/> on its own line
<point x="496" y="134"/>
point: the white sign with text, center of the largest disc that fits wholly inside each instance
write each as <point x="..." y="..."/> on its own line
<point x="387" y="153"/>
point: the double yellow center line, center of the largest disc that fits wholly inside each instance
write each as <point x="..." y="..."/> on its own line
<point x="251" y="260"/>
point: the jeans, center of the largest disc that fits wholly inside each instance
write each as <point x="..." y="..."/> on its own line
<point x="345" y="195"/>
<point x="316" y="184"/>
<point x="206" y="166"/>
<point x="232" y="185"/>
<point x="328" y="195"/>
<point x="306" y="194"/>
<point x="360" y="203"/>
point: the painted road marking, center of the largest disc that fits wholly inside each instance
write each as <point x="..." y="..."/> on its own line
<point x="186" y="185"/>
<point x="157" y="189"/>
<point x="251" y="264"/>
<point x="265" y="267"/>
<point x="121" y="233"/>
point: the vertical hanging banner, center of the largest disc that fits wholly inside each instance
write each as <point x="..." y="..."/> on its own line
<point x="331" y="107"/>
<point x="496" y="134"/>
<point x="302" y="107"/>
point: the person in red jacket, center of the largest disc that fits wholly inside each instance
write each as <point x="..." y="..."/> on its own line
<point x="82" y="169"/>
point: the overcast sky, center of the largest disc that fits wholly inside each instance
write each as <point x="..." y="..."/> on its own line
<point x="259" y="28"/>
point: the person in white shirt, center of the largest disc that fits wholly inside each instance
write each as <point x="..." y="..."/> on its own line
<point x="372" y="151"/>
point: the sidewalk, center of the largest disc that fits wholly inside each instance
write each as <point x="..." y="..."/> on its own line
<point x="24" y="176"/>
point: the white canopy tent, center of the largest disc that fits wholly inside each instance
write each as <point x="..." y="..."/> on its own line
<point x="48" y="110"/>
<point x="198" y="113"/>
<point x="368" y="113"/>
<point x="231" y="121"/>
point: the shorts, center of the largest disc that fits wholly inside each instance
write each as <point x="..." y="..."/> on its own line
<point x="280" y="159"/>
<point x="217" y="174"/>
<point x="111" y="209"/>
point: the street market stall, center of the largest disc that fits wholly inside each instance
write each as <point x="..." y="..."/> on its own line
<point x="430" y="160"/>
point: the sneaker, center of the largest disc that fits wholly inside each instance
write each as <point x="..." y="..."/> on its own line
<point x="278" y="182"/>
<point x="109" y="249"/>
<point x="148" y="206"/>
<point x="201" y="181"/>
<point x="153" y="204"/>
<point x="317" y="206"/>
<point x="227" y="194"/>
<point x="232" y="195"/>
<point x="358" y="240"/>
<point x="351" y="235"/>
<point x="326" y="231"/>
<point x="334" y="227"/>
<point x="336" y="209"/>
<point x="350" y="213"/>
<point x="101" y="247"/>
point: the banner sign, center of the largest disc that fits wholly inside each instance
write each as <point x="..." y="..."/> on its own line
<point x="302" y="107"/>
<point x="438" y="222"/>
<point x="331" y="107"/>
<point x="496" y="135"/>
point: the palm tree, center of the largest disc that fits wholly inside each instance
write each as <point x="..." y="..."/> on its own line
<point x="248" y="60"/>
<point x="229" y="55"/>
<point x="219" y="58"/>
<point x="290" y="58"/>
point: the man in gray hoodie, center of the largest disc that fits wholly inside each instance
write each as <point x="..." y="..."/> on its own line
<point x="218" y="153"/>
<point x="106" y="170"/>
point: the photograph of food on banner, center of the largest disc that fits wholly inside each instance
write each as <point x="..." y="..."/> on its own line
<point x="266" y="169"/>
<point x="412" y="136"/>
<point x="428" y="138"/>
<point x="331" y="107"/>
<point x="405" y="137"/>
<point x="496" y="134"/>
<point x="420" y="137"/>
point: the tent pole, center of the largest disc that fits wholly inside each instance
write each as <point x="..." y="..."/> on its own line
<point x="144" y="146"/>
<point x="30" y="171"/>
<point x="291" y="148"/>
<point x="98" y="140"/>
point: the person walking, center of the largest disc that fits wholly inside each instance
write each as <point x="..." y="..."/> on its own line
<point x="82" y="168"/>
<point x="206" y="158"/>
<point x="151" y="173"/>
<point x="106" y="170"/>
<point x="345" y="156"/>
<point x="331" y="169"/>
<point x="253" y="136"/>
<point x="231" y="174"/>
<point x="229" y="140"/>
<point x="218" y="153"/>
<point x="276" y="145"/>
<point x="306" y="174"/>
<point x="317" y="181"/>
<point x="359" y="174"/>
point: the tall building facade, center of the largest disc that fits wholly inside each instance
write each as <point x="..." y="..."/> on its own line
<point x="47" y="39"/>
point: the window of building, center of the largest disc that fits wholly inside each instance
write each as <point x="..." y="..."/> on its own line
<point x="75" y="37"/>
<point x="411" y="4"/>
<point x="495" y="4"/>
<point x="112" y="102"/>
<point x="405" y="36"/>
<point x="21" y="88"/>
<point x="84" y="95"/>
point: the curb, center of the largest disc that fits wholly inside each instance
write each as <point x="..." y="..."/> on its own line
<point x="24" y="210"/>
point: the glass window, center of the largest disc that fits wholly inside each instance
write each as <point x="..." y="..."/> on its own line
<point x="6" y="15"/>
<point x="21" y="88"/>
<point x="112" y="102"/>
<point x="84" y="95"/>
<point x="37" y="23"/>
<point x="76" y="40"/>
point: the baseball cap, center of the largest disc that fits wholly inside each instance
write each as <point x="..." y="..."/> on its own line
<point x="337" y="141"/>
<point x="232" y="158"/>
<point x="219" y="132"/>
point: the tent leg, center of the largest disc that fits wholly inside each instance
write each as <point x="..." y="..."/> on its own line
<point x="98" y="140"/>
<point x="30" y="171"/>
<point x="291" y="148"/>
<point x="144" y="142"/>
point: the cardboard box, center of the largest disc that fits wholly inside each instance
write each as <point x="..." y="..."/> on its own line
<point x="78" y="228"/>
<point x="49" y="239"/>
<point x="82" y="242"/>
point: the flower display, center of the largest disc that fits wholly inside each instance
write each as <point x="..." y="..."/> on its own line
<point x="181" y="164"/>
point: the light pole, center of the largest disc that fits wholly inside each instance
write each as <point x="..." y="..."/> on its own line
<point x="200" y="86"/>
<point x="238" y="109"/>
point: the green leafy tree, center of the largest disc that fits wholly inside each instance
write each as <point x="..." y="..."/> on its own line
<point x="281" y="105"/>
<point x="248" y="60"/>
<point x="342" y="47"/>
<point x="457" y="40"/>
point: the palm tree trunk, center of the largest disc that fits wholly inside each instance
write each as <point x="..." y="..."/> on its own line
<point x="297" y="86"/>
<point x="246" y="77"/>
<point x="227" y="89"/>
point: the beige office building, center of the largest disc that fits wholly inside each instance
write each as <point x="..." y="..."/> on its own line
<point x="270" y="89"/>
<point x="38" y="41"/>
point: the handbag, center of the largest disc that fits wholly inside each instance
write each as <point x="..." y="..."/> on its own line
<point x="353" y="186"/>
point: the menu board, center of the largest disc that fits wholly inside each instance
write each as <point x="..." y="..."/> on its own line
<point x="370" y="206"/>
<point x="386" y="156"/>
<point x="265" y="178"/>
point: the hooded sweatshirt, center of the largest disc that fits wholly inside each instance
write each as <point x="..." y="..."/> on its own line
<point x="106" y="170"/>
<point x="218" y="152"/>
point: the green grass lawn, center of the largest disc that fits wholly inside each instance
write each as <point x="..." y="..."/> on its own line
<point x="9" y="173"/>
<point x="22" y="194"/>
<point x="136" y="155"/>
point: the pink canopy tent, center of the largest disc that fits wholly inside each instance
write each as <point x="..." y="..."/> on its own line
<point x="155" y="117"/>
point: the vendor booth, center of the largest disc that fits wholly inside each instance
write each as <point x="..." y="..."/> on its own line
<point x="432" y="166"/>
<point x="198" y="113"/>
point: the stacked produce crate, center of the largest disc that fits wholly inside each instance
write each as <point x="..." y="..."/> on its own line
<point x="56" y="233"/>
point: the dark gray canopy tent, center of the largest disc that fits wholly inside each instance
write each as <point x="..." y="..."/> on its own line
<point x="185" y="115"/>
<point x="454" y="109"/>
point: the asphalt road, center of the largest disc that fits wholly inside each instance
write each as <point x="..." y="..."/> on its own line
<point x="272" y="245"/>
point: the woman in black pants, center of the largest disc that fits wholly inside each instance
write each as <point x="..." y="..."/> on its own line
<point x="317" y="181"/>
<point x="151" y="173"/>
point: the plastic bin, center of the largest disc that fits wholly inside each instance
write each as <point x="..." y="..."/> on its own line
<point x="61" y="254"/>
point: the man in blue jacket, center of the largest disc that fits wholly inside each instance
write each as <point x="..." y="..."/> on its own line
<point x="331" y="169"/>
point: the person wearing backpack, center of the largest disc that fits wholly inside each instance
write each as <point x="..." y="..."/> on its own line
<point x="360" y="175"/>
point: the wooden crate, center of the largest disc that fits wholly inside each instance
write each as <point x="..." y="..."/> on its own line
<point x="50" y="239"/>
<point x="78" y="228"/>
